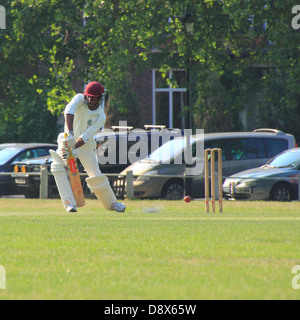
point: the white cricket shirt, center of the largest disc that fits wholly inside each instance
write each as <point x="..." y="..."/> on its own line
<point x="86" y="122"/>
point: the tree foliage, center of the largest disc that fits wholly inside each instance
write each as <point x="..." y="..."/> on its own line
<point x="239" y="53"/>
<point x="37" y="52"/>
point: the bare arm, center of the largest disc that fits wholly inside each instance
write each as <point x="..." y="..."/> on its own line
<point x="69" y="119"/>
<point x="79" y="143"/>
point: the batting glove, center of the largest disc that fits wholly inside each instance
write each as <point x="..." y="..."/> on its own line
<point x="64" y="153"/>
<point x="70" y="142"/>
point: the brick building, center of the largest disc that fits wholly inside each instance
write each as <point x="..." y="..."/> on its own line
<point x="162" y="103"/>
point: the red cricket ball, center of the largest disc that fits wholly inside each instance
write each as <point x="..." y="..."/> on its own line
<point x="187" y="199"/>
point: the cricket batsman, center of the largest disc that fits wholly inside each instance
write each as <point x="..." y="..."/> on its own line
<point x="83" y="119"/>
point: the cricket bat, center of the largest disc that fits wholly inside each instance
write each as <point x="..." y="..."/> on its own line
<point x="75" y="179"/>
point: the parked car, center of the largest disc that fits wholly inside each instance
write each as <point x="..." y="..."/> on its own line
<point x="277" y="180"/>
<point x="116" y="149"/>
<point x="29" y="185"/>
<point x="14" y="152"/>
<point x="241" y="151"/>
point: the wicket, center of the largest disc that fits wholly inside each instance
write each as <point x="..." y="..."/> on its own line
<point x="212" y="190"/>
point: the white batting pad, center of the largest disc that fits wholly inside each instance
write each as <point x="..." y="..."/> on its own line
<point x="62" y="182"/>
<point x="102" y="189"/>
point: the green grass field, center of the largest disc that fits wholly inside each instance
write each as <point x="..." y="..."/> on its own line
<point x="157" y="250"/>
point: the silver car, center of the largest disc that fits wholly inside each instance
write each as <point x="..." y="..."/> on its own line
<point x="277" y="180"/>
<point x="158" y="175"/>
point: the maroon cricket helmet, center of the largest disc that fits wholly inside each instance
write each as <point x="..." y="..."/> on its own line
<point x="94" y="89"/>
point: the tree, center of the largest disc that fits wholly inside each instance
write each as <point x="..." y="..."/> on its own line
<point x="239" y="53"/>
<point x="257" y="63"/>
<point x="37" y="52"/>
<point x="233" y="53"/>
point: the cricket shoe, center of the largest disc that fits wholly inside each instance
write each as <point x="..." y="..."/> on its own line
<point x="71" y="208"/>
<point x="118" y="206"/>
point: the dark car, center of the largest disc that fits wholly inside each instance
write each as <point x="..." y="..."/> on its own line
<point x="29" y="185"/>
<point x="116" y="150"/>
<point x="15" y="152"/>
<point x="277" y="180"/>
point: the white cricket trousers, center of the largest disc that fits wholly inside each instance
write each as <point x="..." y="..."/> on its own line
<point x="89" y="160"/>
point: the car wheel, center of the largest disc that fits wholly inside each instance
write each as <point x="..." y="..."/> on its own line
<point x="173" y="190"/>
<point x="281" y="192"/>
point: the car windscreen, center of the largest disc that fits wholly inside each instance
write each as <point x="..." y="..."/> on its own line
<point x="285" y="160"/>
<point x="8" y="153"/>
<point x="169" y="151"/>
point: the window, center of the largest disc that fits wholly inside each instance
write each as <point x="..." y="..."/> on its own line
<point x="7" y="153"/>
<point x="169" y="98"/>
<point x="260" y="148"/>
<point x="275" y="146"/>
<point x="220" y="143"/>
<point x="25" y="155"/>
<point x="42" y="152"/>
<point x="30" y="154"/>
<point x="243" y="149"/>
